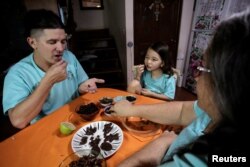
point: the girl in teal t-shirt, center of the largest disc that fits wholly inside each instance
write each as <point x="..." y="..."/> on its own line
<point x="156" y="77"/>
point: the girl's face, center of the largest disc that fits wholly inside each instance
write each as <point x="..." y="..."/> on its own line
<point x="153" y="60"/>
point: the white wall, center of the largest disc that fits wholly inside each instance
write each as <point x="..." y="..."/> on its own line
<point x="185" y="29"/>
<point x="115" y="15"/>
<point x="88" y="19"/>
<point x="41" y="4"/>
<point x="129" y="6"/>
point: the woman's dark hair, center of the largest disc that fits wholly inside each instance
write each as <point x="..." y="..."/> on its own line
<point x="41" y="19"/>
<point x="228" y="58"/>
<point x="163" y="50"/>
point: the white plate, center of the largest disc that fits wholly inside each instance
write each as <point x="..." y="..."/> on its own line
<point x="98" y="134"/>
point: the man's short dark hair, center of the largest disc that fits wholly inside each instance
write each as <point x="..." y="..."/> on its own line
<point x="41" y="19"/>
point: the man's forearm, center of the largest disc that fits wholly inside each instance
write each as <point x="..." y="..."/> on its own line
<point x="24" y="112"/>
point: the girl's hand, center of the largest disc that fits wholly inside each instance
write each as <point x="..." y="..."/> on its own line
<point x="138" y="91"/>
<point x="139" y="71"/>
<point x="146" y="92"/>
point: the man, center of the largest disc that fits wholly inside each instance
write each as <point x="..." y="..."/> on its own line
<point x="46" y="79"/>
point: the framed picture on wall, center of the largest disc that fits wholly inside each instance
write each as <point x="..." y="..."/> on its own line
<point x="91" y="4"/>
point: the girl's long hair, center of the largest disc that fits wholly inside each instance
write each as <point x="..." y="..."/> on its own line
<point x="163" y="50"/>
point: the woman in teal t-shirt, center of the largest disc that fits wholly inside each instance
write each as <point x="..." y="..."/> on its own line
<point x="217" y="134"/>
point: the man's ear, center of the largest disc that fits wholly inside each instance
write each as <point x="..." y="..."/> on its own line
<point x="32" y="42"/>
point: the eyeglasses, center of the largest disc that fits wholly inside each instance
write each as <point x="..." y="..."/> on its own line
<point x="198" y="69"/>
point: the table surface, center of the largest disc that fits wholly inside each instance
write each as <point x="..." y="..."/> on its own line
<point x="41" y="144"/>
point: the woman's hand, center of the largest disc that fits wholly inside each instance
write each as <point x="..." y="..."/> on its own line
<point x="122" y="108"/>
<point x="170" y="135"/>
<point x="152" y="153"/>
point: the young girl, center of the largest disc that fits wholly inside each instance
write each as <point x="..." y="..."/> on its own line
<point x="155" y="78"/>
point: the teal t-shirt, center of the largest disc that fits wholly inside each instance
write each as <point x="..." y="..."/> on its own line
<point x="163" y="85"/>
<point x="188" y="135"/>
<point x="23" y="78"/>
<point x="186" y="160"/>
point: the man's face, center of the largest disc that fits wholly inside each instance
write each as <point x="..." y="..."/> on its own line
<point x="48" y="46"/>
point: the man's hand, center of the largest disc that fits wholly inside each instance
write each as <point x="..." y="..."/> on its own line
<point x="90" y="85"/>
<point x="57" y="72"/>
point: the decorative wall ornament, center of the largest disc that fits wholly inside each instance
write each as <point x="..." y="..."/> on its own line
<point x="156" y="7"/>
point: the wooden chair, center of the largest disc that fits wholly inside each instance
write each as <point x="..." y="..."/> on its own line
<point x="177" y="74"/>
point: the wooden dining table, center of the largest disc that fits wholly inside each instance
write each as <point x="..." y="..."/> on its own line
<point x="42" y="145"/>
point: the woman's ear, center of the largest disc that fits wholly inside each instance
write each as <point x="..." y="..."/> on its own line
<point x="162" y="64"/>
<point x="32" y="42"/>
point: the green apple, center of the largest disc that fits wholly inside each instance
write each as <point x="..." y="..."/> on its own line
<point x="66" y="128"/>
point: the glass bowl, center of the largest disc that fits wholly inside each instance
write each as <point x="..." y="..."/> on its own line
<point x="87" y="111"/>
<point x="119" y="98"/>
<point x="141" y="127"/>
<point x="84" y="158"/>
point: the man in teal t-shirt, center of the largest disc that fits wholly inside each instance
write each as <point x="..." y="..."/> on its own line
<point x="24" y="77"/>
<point x="46" y="79"/>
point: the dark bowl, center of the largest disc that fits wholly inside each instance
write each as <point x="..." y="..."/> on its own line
<point x="84" y="158"/>
<point x="87" y="111"/>
<point x="131" y="98"/>
<point x="105" y="101"/>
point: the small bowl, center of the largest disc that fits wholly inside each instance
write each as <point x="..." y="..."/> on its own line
<point x="106" y="101"/>
<point x="84" y="158"/>
<point x="119" y="98"/>
<point x="107" y="111"/>
<point x="87" y="111"/>
<point x="131" y="98"/>
<point x="139" y="126"/>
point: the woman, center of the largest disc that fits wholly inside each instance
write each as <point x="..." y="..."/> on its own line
<point x="218" y="134"/>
